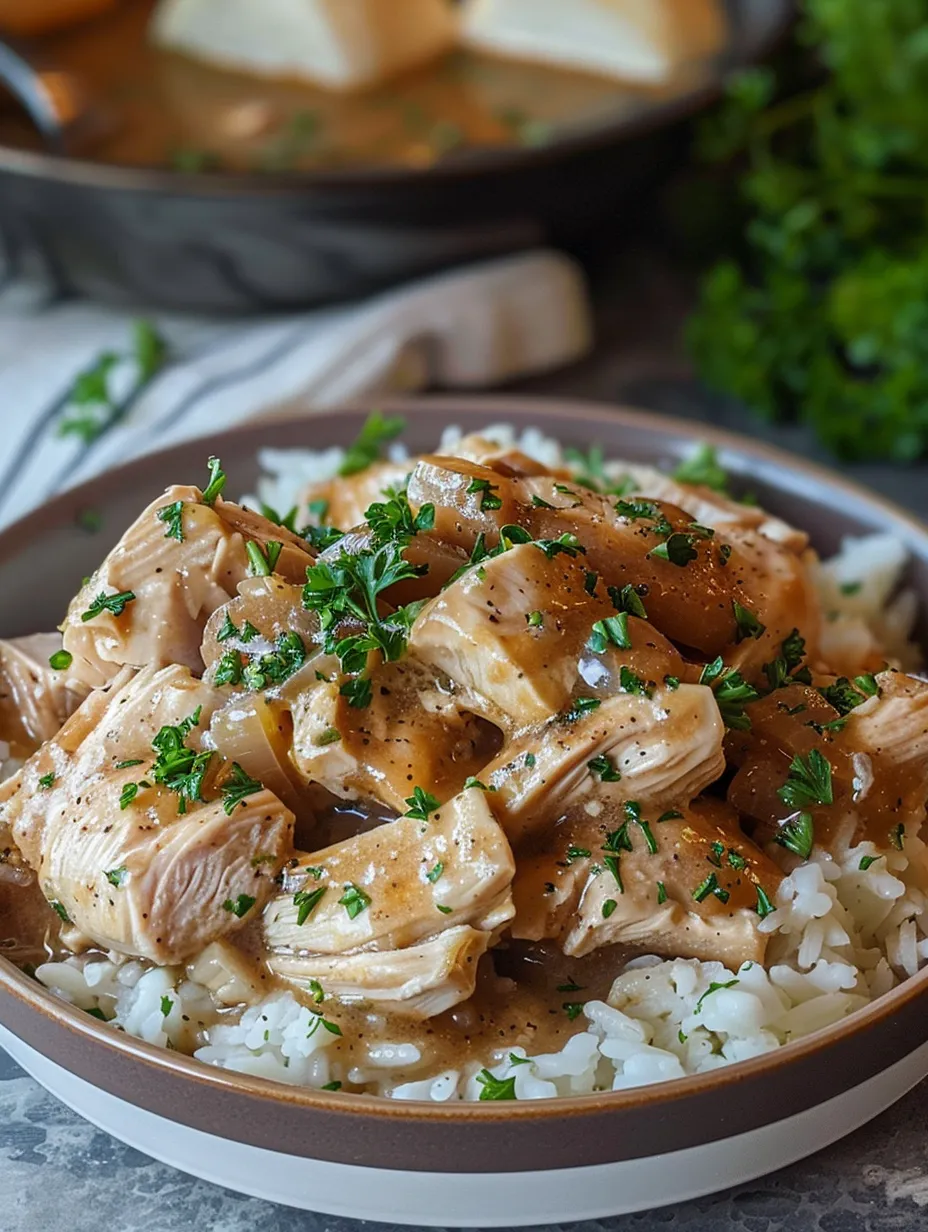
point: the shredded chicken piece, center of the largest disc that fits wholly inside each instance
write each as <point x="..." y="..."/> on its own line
<point x="420" y="981"/>
<point x="158" y="591"/>
<point x="138" y="875"/>
<point x="35" y="699"/>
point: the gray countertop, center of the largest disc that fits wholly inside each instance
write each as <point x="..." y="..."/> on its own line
<point x="59" y="1174"/>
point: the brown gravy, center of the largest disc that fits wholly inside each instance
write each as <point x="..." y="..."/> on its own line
<point x="165" y="109"/>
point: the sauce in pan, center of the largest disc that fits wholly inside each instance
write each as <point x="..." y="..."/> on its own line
<point x="163" y="109"/>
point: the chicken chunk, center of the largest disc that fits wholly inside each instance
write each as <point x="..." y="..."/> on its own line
<point x="711" y="508"/>
<point x="684" y="882"/>
<point x="436" y="561"/>
<point x="410" y="734"/>
<point x="872" y="776"/>
<point x="511" y="632"/>
<point x="420" y="981"/>
<point x="398" y="884"/>
<point x="141" y="854"/>
<point x="655" y="749"/>
<point x="35" y="699"/>
<point x="149" y="601"/>
<point x="345" y="499"/>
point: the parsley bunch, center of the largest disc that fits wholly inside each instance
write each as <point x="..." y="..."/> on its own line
<point x="823" y="316"/>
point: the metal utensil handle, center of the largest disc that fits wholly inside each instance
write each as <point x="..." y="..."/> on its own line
<point x="52" y="98"/>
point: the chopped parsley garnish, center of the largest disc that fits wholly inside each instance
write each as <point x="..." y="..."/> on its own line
<point x="393" y="521"/>
<point x="866" y="861"/>
<point x="60" y="911"/>
<point x="217" y="481"/>
<point x="237" y="788"/>
<point x="530" y="761"/>
<point x="747" y="623"/>
<point x="661" y="893"/>
<point x="278" y="665"/>
<point x="627" y="599"/>
<point x="166" y="1006"/>
<point x="92" y="402"/>
<point x="331" y="735"/>
<point x="421" y="804"/>
<point x="488" y="500"/>
<point x="350" y="587"/>
<point x="228" y="629"/>
<point x="128" y="794"/>
<point x="845" y="697"/>
<point x="613" y="630"/>
<point x="61" y="660"/>
<point x="354" y="900"/>
<point x="579" y="707"/>
<point x="710" y="990"/>
<point x="173" y="518"/>
<point x="47" y="780"/>
<point x="538" y="503"/>
<point x="535" y="620"/>
<point x="471" y="781"/>
<point x="897" y="836"/>
<point x="677" y="548"/>
<point x="241" y="906"/>
<point x="378" y="430"/>
<point x="262" y="561"/>
<point x="764" y="905"/>
<point x="567" y="543"/>
<point x="109" y="603"/>
<point x="797" y="835"/>
<point x="306" y="902"/>
<point x="443" y="909"/>
<point x="287" y="520"/>
<point x="496" y="1088"/>
<point x="710" y="886"/>
<point x="332" y="1086"/>
<point x="317" y="992"/>
<point x="792" y="652"/>
<point x="514" y="1059"/>
<point x="435" y="873"/>
<point x="629" y="682"/>
<point x="604" y="769"/>
<point x="736" y="860"/>
<point x="809" y="782"/>
<point x="633" y="510"/>
<point x="702" y="468"/>
<point x="672" y="682"/>
<point x="589" y="581"/>
<point x="178" y="768"/>
<point x="577" y="853"/>
<point x="127" y="765"/>
<point x="229" y="668"/>
<point x="670" y="815"/>
<point x="608" y="907"/>
<point x="732" y="693"/>
<point x="573" y="1009"/>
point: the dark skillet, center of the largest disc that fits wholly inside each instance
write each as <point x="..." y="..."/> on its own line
<point x="237" y="242"/>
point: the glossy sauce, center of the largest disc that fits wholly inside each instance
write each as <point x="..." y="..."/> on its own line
<point x="165" y="109"/>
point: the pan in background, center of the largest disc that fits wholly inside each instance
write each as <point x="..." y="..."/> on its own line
<point x="277" y="240"/>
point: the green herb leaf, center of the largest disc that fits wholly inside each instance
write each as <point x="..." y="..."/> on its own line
<point x="435" y="873"/>
<point x="354" y="900"/>
<point x="604" y="769"/>
<point x="377" y="432"/>
<point x="496" y="1088"/>
<point x="61" y="660"/>
<point x="702" y="467"/>
<point x="764" y="905"/>
<point x="713" y="987"/>
<point x="306" y="902"/>
<point x="241" y="906"/>
<point x="809" y="782"/>
<point x="613" y="631"/>
<point x="108" y="603"/>
<point x="747" y="623"/>
<point x="678" y="549"/>
<point x="421" y="804"/>
<point x="237" y="788"/>
<point x="217" y="481"/>
<point x="173" y="518"/>
<point x="797" y="835"/>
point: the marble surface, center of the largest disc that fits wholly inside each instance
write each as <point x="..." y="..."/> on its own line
<point x="59" y="1174"/>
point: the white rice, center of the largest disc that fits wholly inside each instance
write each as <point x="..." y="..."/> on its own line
<point x="838" y="938"/>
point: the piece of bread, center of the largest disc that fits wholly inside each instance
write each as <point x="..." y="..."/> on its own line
<point x="634" y="40"/>
<point x="339" y="44"/>
<point x="31" y="17"/>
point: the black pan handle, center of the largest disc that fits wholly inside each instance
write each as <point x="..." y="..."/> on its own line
<point x="54" y="100"/>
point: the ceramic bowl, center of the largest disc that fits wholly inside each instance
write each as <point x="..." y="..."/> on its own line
<point x="483" y="1164"/>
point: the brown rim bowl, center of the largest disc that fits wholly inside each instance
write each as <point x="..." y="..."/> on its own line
<point x="42" y="559"/>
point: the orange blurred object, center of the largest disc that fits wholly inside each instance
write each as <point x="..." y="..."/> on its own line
<point x="28" y="17"/>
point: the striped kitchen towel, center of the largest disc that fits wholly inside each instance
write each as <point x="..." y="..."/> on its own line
<point x="84" y="387"/>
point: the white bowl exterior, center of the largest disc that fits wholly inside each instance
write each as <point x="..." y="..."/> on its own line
<point x="484" y="1200"/>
